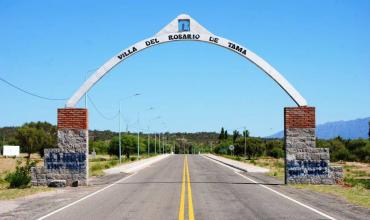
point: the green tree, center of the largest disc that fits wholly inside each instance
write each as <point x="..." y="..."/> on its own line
<point x="338" y="149"/>
<point x="222" y="134"/>
<point x="49" y="133"/>
<point x="245" y="133"/>
<point x="100" y="147"/>
<point x="128" y="144"/>
<point x="235" y="135"/>
<point x="32" y="139"/>
<point x="357" y="149"/>
<point x="255" y="147"/>
<point x="274" y="148"/>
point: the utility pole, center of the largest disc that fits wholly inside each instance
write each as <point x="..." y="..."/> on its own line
<point x="138" y="144"/>
<point x="148" y="142"/>
<point x="155" y="143"/>
<point x="119" y="134"/>
<point x="245" y="143"/>
<point x="138" y="135"/>
<point x="159" y="142"/>
<point x="163" y="142"/>
<point x="119" y="125"/>
<point x="138" y="132"/>
<point x="155" y="136"/>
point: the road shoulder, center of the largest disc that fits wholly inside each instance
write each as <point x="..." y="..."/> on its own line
<point x="37" y="205"/>
<point x="335" y="206"/>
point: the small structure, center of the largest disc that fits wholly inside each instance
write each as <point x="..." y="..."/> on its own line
<point x="10" y="151"/>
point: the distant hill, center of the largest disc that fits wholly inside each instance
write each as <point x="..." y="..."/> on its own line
<point x="352" y="129"/>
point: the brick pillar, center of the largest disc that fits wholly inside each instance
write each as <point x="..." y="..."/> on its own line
<point x="73" y="147"/>
<point x="72" y="118"/>
<point x="67" y="164"/>
<point x="299" y="127"/>
<point x="304" y="162"/>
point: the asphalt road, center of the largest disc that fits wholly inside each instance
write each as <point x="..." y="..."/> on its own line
<point x="214" y="192"/>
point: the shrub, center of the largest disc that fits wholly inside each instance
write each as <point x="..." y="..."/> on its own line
<point x="365" y="183"/>
<point x="276" y="152"/>
<point x="96" y="167"/>
<point x="113" y="163"/>
<point x="98" y="159"/>
<point x="132" y="158"/>
<point x="21" y="177"/>
<point x="341" y="154"/>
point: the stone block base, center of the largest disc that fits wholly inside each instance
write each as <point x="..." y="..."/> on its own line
<point x="306" y="164"/>
<point x="43" y="177"/>
<point x="311" y="166"/>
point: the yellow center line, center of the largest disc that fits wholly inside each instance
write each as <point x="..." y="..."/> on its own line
<point x="186" y="177"/>
<point x="190" y="197"/>
<point x="182" y="197"/>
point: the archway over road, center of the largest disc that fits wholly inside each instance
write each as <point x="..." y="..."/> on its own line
<point x="304" y="163"/>
<point x="186" y="28"/>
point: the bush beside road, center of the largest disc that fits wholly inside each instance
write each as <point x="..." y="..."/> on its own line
<point x="8" y="166"/>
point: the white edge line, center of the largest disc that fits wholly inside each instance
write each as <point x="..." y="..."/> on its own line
<point x="86" y="197"/>
<point x="272" y="190"/>
<point x="222" y="164"/>
<point x="92" y="194"/>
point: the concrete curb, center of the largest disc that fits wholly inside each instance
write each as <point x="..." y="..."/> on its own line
<point x="233" y="166"/>
<point x="135" y="166"/>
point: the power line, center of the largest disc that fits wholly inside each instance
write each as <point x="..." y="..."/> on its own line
<point x="100" y="113"/>
<point x="30" y="93"/>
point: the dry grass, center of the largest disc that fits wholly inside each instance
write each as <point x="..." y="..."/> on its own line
<point x="357" y="195"/>
<point x="355" y="168"/>
<point x="102" y="162"/>
<point x="8" y="164"/>
<point x="7" y="194"/>
<point x="276" y="166"/>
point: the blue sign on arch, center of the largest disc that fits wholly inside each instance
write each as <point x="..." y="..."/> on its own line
<point x="184" y="25"/>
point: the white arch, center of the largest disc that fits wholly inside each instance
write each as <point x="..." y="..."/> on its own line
<point x="171" y="33"/>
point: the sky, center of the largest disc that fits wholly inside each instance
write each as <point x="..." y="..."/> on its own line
<point x="50" y="47"/>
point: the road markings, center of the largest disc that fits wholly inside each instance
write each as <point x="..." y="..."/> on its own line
<point x="272" y="190"/>
<point x="94" y="193"/>
<point x="182" y="197"/>
<point x="190" y="196"/>
<point x="186" y="180"/>
<point x="86" y="197"/>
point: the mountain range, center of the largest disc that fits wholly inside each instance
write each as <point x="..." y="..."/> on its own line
<point x="351" y="129"/>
